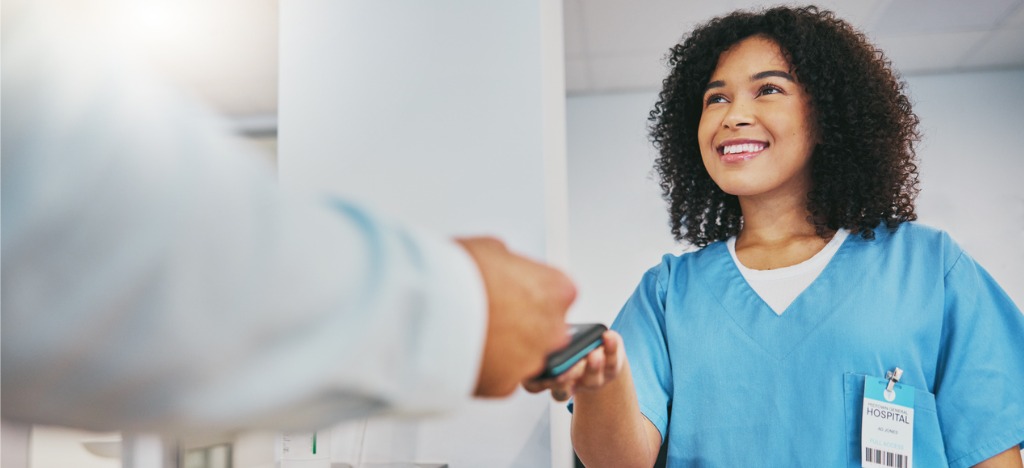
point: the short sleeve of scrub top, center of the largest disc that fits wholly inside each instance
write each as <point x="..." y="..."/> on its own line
<point x="642" y="326"/>
<point x="979" y="384"/>
<point x="641" y="323"/>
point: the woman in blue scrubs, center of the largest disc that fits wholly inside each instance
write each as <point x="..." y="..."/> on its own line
<point x="787" y="156"/>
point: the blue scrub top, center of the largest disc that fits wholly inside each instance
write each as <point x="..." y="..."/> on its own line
<point x="730" y="383"/>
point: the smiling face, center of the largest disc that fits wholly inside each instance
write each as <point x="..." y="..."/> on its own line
<point x="756" y="131"/>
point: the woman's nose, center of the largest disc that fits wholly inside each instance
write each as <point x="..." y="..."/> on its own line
<point x="739" y="115"/>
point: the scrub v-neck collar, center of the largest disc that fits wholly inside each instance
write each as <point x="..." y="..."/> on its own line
<point x="778" y="335"/>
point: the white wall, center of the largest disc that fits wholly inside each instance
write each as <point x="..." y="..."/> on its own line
<point x="617" y="222"/>
<point x="972" y="162"/>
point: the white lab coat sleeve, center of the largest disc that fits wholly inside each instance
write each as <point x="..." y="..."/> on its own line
<point x="154" y="275"/>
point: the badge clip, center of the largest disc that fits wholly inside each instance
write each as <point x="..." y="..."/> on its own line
<point x="893" y="376"/>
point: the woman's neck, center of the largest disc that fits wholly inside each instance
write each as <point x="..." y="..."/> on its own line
<point x="776" y="233"/>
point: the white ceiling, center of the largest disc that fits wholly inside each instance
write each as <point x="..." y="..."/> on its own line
<point x="610" y="45"/>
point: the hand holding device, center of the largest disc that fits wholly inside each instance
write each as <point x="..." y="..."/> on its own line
<point x="597" y="361"/>
<point x="583" y="338"/>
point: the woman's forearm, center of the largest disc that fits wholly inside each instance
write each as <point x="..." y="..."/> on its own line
<point x="608" y="428"/>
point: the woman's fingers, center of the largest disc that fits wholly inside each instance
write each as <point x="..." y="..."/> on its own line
<point x="593" y="372"/>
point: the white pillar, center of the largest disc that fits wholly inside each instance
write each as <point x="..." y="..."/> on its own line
<point x="447" y="114"/>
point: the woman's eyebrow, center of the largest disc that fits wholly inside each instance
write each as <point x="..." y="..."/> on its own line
<point x="766" y="74"/>
<point x="754" y="77"/>
<point x="715" y="84"/>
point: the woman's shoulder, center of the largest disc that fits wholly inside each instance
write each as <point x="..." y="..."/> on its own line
<point x="920" y="230"/>
<point x="915" y="239"/>
<point x="689" y="254"/>
<point x="687" y="258"/>
<point x="674" y="267"/>
<point x="916" y="233"/>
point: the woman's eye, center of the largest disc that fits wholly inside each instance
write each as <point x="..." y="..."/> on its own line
<point x="769" y="89"/>
<point x="714" y="99"/>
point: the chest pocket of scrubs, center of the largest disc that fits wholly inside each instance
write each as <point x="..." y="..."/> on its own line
<point x="929" y="450"/>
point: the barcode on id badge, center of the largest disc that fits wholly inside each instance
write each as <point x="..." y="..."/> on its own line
<point x="884" y="458"/>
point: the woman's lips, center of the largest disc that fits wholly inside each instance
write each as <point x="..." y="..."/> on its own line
<point x="739" y="151"/>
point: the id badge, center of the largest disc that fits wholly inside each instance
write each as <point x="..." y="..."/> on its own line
<point x="887" y="430"/>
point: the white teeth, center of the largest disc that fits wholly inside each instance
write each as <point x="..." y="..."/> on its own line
<point x="744" y="148"/>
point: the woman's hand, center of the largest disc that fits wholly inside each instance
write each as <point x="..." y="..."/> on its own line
<point x="601" y="366"/>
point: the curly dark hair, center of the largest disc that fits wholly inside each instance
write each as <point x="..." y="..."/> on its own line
<point x="863" y="170"/>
